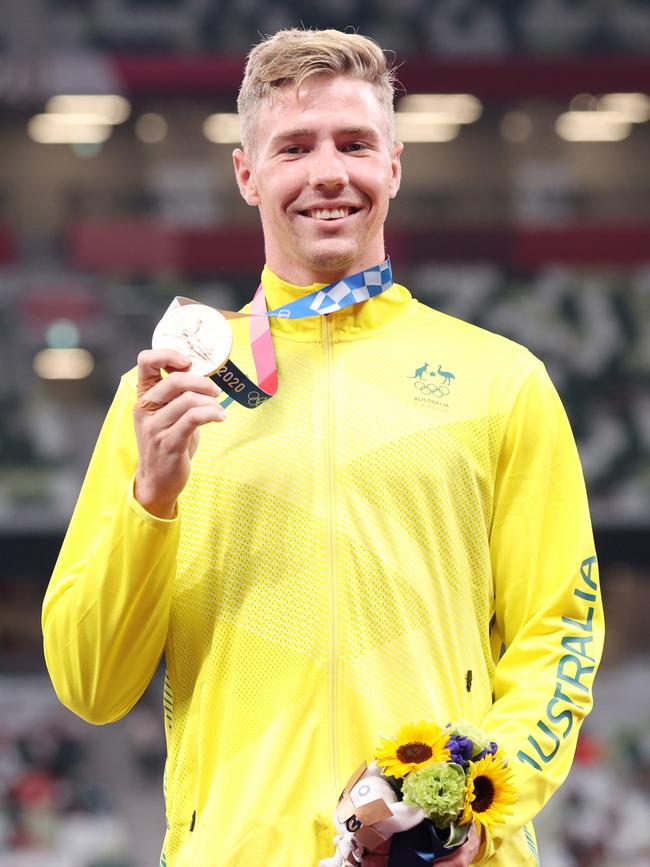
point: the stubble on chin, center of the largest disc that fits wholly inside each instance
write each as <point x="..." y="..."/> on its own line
<point x="328" y="258"/>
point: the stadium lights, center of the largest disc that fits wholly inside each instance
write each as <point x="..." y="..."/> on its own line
<point x="435" y="117"/>
<point x="455" y="107"/>
<point x="584" y="102"/>
<point x="635" y="107"/>
<point x="63" y="363"/>
<point x="78" y="119"/>
<point x="62" y="334"/>
<point x="68" y="129"/>
<point x="608" y="117"/>
<point x="222" y="128"/>
<point x="424" y="126"/>
<point x="112" y="108"/>
<point x="592" y="126"/>
<point x="516" y="127"/>
<point x="151" y="128"/>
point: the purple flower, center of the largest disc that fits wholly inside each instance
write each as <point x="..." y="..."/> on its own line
<point x="461" y="749"/>
<point x="491" y="750"/>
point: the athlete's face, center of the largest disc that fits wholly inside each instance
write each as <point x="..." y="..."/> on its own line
<point x="322" y="176"/>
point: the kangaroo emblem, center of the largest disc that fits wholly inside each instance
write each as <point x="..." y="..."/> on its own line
<point x="430" y="387"/>
<point x="419" y="373"/>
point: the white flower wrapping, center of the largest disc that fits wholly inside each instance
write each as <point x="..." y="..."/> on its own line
<point x="381" y="814"/>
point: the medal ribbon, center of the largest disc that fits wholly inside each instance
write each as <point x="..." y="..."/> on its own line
<point x="337" y="296"/>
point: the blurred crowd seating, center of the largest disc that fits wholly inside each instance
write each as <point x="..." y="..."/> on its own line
<point x="445" y="28"/>
<point x="599" y="817"/>
<point x="53" y="811"/>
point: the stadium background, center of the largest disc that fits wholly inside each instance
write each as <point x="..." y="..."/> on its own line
<point x="525" y="208"/>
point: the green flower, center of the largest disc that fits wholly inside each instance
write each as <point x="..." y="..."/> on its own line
<point x="439" y="789"/>
<point x="476" y="735"/>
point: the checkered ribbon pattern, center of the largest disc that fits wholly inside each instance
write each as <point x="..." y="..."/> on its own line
<point x="351" y="290"/>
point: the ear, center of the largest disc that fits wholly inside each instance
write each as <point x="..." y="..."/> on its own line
<point x="245" y="176"/>
<point x="396" y="168"/>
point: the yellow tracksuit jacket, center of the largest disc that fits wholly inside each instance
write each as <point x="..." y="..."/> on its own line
<point x="402" y="533"/>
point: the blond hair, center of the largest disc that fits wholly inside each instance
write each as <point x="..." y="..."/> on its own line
<point x="290" y="56"/>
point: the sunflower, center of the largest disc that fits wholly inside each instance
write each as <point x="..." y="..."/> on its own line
<point x="415" y="747"/>
<point x="489" y="791"/>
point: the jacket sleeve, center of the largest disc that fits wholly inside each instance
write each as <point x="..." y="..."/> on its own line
<point x="548" y="621"/>
<point x="106" y="610"/>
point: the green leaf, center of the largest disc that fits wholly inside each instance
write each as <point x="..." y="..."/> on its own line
<point x="457" y="835"/>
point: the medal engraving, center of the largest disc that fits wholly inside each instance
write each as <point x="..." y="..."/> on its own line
<point x="199" y="332"/>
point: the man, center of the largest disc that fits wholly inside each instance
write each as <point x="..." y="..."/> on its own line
<point x="369" y="547"/>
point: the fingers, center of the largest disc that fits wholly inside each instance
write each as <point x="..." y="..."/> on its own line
<point x="177" y="436"/>
<point x="152" y="361"/>
<point x="164" y="391"/>
<point x="167" y="414"/>
<point x="170" y="427"/>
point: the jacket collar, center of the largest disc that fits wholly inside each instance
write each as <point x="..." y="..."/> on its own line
<point x="355" y="321"/>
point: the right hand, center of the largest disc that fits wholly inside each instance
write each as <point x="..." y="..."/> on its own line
<point x="167" y="416"/>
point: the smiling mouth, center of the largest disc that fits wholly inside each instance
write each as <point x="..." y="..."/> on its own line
<point x="329" y="213"/>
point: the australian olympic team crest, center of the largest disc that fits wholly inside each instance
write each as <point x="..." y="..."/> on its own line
<point x="432" y="385"/>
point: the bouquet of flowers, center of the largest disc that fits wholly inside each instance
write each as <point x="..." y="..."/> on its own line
<point x="426" y="787"/>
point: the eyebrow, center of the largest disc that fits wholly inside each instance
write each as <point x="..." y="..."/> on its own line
<point x="304" y="132"/>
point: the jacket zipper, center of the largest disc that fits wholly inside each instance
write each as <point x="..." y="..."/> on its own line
<point x="331" y="552"/>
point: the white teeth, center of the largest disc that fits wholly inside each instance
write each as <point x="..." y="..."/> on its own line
<point x="326" y="214"/>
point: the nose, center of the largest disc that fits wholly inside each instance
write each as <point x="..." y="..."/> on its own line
<point x="327" y="169"/>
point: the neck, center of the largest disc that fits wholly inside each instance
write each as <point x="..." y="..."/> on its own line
<point x="306" y="274"/>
